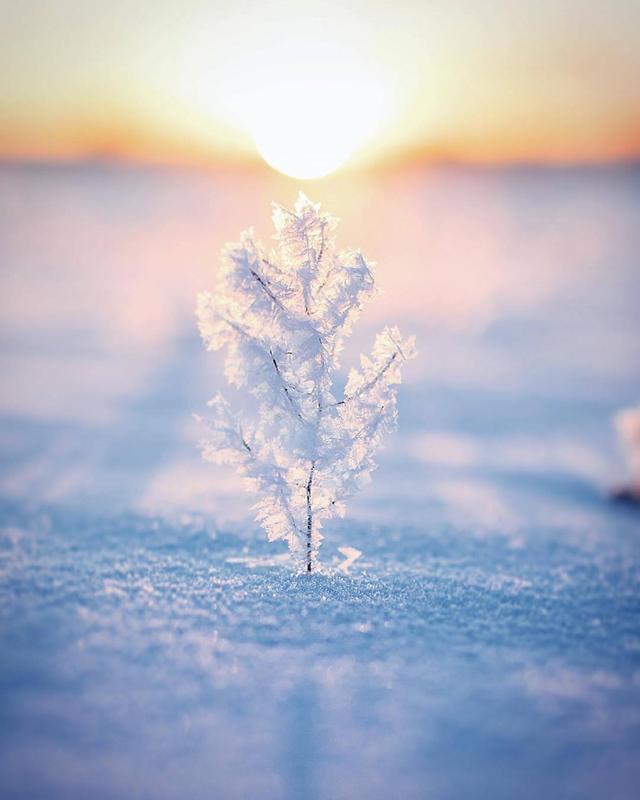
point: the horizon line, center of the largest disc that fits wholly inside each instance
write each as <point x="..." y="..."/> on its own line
<point x="236" y="163"/>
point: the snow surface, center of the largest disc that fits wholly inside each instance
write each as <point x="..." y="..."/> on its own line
<point x="486" y="644"/>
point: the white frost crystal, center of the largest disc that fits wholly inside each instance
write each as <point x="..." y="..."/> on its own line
<point x="283" y="315"/>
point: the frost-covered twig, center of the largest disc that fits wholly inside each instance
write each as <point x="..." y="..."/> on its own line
<point x="283" y="316"/>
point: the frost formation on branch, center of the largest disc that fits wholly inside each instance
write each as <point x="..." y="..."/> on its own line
<point x="283" y="315"/>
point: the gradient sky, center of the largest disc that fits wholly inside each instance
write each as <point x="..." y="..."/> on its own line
<point x="183" y="79"/>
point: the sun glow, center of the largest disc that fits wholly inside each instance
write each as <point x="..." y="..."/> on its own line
<point x="308" y="108"/>
<point x="308" y="132"/>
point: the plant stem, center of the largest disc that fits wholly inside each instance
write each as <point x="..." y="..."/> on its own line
<point x="310" y="518"/>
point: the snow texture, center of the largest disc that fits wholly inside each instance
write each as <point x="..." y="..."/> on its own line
<point x="283" y="316"/>
<point x="486" y="642"/>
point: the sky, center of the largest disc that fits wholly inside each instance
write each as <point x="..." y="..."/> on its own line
<point x="311" y="85"/>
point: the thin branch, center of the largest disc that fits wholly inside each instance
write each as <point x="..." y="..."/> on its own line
<point x="278" y="303"/>
<point x="305" y="289"/>
<point x="322" y="244"/>
<point x="330" y="272"/>
<point x="365" y="428"/>
<point x="397" y="344"/>
<point x="310" y="517"/>
<point x="268" y="291"/>
<point x="378" y="376"/>
<point x="241" y="330"/>
<point x="285" y="387"/>
<point x="268" y="263"/>
<point x="254" y="340"/>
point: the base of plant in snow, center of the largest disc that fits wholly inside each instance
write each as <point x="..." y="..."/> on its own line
<point x="343" y="566"/>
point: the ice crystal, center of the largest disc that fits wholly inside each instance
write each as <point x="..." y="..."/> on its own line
<point x="283" y="315"/>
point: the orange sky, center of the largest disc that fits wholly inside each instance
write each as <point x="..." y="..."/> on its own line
<point x="186" y="80"/>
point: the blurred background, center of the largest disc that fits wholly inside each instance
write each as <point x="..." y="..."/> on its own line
<point x="486" y="155"/>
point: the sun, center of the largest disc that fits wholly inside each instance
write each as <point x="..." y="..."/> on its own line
<point x="309" y="128"/>
<point x="301" y="140"/>
<point x="308" y="107"/>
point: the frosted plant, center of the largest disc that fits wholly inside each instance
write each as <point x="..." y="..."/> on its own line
<point x="283" y="315"/>
<point x="627" y="425"/>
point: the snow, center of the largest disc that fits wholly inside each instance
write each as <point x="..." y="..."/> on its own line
<point x="485" y="643"/>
